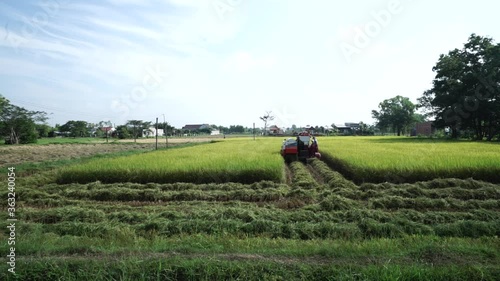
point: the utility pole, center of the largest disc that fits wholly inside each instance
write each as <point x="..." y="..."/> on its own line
<point x="156" y="128"/>
<point x="165" y="131"/>
<point x="254" y="131"/>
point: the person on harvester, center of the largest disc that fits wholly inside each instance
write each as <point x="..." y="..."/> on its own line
<point x="300" y="144"/>
<point x="313" y="148"/>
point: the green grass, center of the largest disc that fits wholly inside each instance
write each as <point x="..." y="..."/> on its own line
<point x="209" y="257"/>
<point x="396" y="159"/>
<point x="236" y="268"/>
<point x="236" y="160"/>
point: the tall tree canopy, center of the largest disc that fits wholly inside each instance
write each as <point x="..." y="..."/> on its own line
<point x="396" y="113"/>
<point x="136" y="127"/>
<point x="18" y="125"/>
<point x="466" y="89"/>
<point x="75" y="128"/>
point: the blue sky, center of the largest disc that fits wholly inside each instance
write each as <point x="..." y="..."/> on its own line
<point x="226" y="62"/>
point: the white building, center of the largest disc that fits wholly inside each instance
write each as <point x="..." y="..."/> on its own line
<point x="151" y="132"/>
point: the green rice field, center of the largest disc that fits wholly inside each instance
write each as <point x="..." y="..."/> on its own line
<point x="237" y="160"/>
<point x="233" y="210"/>
<point x="361" y="159"/>
<point x="376" y="159"/>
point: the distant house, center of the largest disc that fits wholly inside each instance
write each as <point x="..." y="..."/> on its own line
<point x="101" y="131"/>
<point x="108" y="129"/>
<point x="61" y="134"/>
<point x="196" y="127"/>
<point x="347" y="128"/>
<point x="275" y="130"/>
<point x="215" y="132"/>
<point x="151" y="132"/>
<point x="423" y="129"/>
<point x="353" y="126"/>
<point x="309" y="129"/>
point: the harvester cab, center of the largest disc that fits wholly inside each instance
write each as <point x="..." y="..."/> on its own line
<point x="300" y="148"/>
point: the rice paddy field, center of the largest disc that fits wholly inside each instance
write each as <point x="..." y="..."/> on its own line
<point x="242" y="214"/>
<point x="368" y="159"/>
<point x="232" y="161"/>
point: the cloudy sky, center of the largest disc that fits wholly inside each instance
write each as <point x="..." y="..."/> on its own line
<point x="227" y="62"/>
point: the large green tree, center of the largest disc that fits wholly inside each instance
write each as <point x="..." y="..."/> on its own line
<point x="239" y="129"/>
<point x="43" y="130"/>
<point x="136" y="127"/>
<point x="466" y="89"/>
<point x="396" y="113"/>
<point x="123" y="132"/>
<point x="75" y="128"/>
<point x="167" y="128"/>
<point x="18" y="125"/>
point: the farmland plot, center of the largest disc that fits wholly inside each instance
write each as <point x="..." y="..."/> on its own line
<point x="230" y="161"/>
<point x="313" y="225"/>
<point x="376" y="159"/>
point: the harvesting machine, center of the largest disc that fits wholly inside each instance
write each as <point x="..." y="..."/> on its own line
<point x="301" y="148"/>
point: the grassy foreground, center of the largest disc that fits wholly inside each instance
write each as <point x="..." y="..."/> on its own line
<point x="401" y="159"/>
<point x="320" y="226"/>
<point x="202" y="257"/>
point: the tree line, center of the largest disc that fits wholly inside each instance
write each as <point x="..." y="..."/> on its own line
<point x="465" y="95"/>
<point x="18" y="125"/>
<point x="21" y="126"/>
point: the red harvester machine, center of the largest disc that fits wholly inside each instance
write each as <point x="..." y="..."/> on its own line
<point x="303" y="147"/>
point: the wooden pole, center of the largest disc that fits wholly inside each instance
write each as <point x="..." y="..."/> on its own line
<point x="156" y="128"/>
<point x="165" y="131"/>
